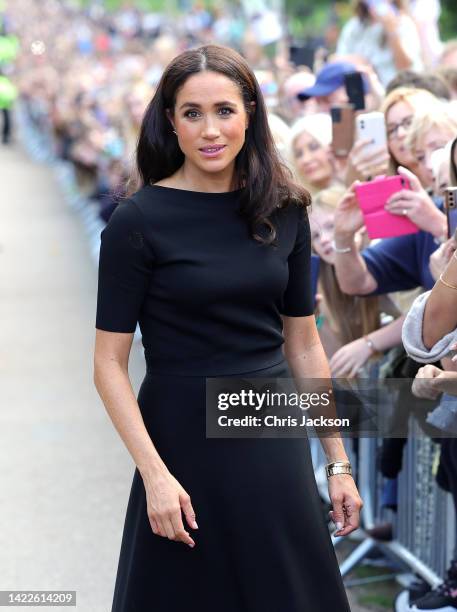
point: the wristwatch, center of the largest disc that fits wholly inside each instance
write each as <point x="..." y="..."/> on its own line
<point x="338" y="467"/>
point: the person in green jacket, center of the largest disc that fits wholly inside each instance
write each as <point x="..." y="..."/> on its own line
<point x="8" y="94"/>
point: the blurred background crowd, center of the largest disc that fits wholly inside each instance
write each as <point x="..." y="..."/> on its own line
<point x="362" y="100"/>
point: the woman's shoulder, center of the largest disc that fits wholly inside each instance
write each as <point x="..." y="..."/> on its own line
<point x="142" y="198"/>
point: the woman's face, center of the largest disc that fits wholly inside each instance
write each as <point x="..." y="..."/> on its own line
<point x="429" y="142"/>
<point x="322" y="223"/>
<point x="398" y="119"/>
<point x="312" y="161"/>
<point x="210" y="120"/>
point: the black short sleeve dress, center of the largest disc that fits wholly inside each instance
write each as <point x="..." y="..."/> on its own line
<point x="209" y="299"/>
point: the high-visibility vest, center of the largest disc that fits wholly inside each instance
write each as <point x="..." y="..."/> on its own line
<point x="8" y="92"/>
<point x="9" y="47"/>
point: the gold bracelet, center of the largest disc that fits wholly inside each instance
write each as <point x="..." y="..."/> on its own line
<point x="445" y="283"/>
<point x="338" y="467"/>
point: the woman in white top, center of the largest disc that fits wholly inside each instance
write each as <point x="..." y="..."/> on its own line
<point x="386" y="36"/>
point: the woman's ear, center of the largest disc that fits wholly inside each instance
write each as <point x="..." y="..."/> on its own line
<point x="170" y="117"/>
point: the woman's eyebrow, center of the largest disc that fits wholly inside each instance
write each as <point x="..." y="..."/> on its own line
<point x="197" y="105"/>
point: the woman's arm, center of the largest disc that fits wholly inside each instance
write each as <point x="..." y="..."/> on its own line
<point x="440" y="315"/>
<point x="113" y="385"/>
<point x="395" y="36"/>
<point x="351" y="270"/>
<point x="306" y="358"/>
<point x="348" y="360"/>
<point x="165" y="495"/>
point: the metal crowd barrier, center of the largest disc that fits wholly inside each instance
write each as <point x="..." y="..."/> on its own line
<point x="424" y="529"/>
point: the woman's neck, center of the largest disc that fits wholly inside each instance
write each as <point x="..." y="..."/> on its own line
<point x="192" y="178"/>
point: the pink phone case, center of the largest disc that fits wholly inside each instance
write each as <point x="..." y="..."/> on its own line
<point x="372" y="197"/>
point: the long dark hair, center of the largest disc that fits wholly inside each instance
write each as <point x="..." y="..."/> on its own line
<point x="265" y="181"/>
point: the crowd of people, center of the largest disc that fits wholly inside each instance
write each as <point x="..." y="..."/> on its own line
<point x="384" y="306"/>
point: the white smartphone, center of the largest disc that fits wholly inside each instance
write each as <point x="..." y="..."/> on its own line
<point x="372" y="126"/>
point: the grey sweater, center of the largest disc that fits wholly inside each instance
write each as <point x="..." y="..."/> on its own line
<point x="444" y="416"/>
<point x="412" y="335"/>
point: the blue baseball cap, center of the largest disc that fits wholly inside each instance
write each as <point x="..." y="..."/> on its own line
<point x="329" y="79"/>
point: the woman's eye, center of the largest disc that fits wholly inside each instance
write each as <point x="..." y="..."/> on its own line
<point x="420" y="158"/>
<point x="225" y="108"/>
<point x="314" y="146"/>
<point x="192" y="114"/>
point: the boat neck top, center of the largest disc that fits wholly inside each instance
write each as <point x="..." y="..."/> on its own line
<point x="208" y="297"/>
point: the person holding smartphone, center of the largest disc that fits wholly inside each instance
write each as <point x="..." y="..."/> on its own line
<point x="393" y="264"/>
<point x="349" y="326"/>
<point x="383" y="33"/>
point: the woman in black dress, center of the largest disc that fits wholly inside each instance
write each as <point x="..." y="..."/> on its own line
<point x="211" y="255"/>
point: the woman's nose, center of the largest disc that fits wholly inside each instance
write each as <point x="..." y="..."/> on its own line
<point x="210" y="129"/>
<point x="401" y="132"/>
<point x="326" y="238"/>
<point x="428" y="162"/>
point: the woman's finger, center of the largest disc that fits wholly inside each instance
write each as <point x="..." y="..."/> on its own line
<point x="413" y="180"/>
<point x="168" y="527"/>
<point x="373" y="156"/>
<point x="354" y="370"/>
<point x="338" y="514"/>
<point x="338" y="365"/>
<point x="351" y="518"/>
<point x="335" y="360"/>
<point x="359" y="145"/>
<point x="154" y="525"/>
<point x="188" y="510"/>
<point x="180" y="534"/>
<point x="161" y="528"/>
<point x="404" y="194"/>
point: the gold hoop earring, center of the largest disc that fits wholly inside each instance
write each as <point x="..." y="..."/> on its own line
<point x="174" y="132"/>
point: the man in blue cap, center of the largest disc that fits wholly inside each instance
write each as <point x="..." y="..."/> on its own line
<point x="329" y="88"/>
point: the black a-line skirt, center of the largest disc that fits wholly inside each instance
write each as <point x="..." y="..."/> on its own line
<point x="262" y="544"/>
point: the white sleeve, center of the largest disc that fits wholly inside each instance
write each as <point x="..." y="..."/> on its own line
<point x="343" y="46"/>
<point x="408" y="34"/>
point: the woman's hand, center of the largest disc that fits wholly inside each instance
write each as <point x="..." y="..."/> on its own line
<point x="388" y="19"/>
<point x="348" y="217"/>
<point x="440" y="258"/>
<point x="446" y="382"/>
<point x="416" y="204"/>
<point x="365" y="161"/>
<point x="165" y="499"/>
<point x="346" y="503"/>
<point x="348" y="360"/>
<point x="425" y="384"/>
<point x="431" y="381"/>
